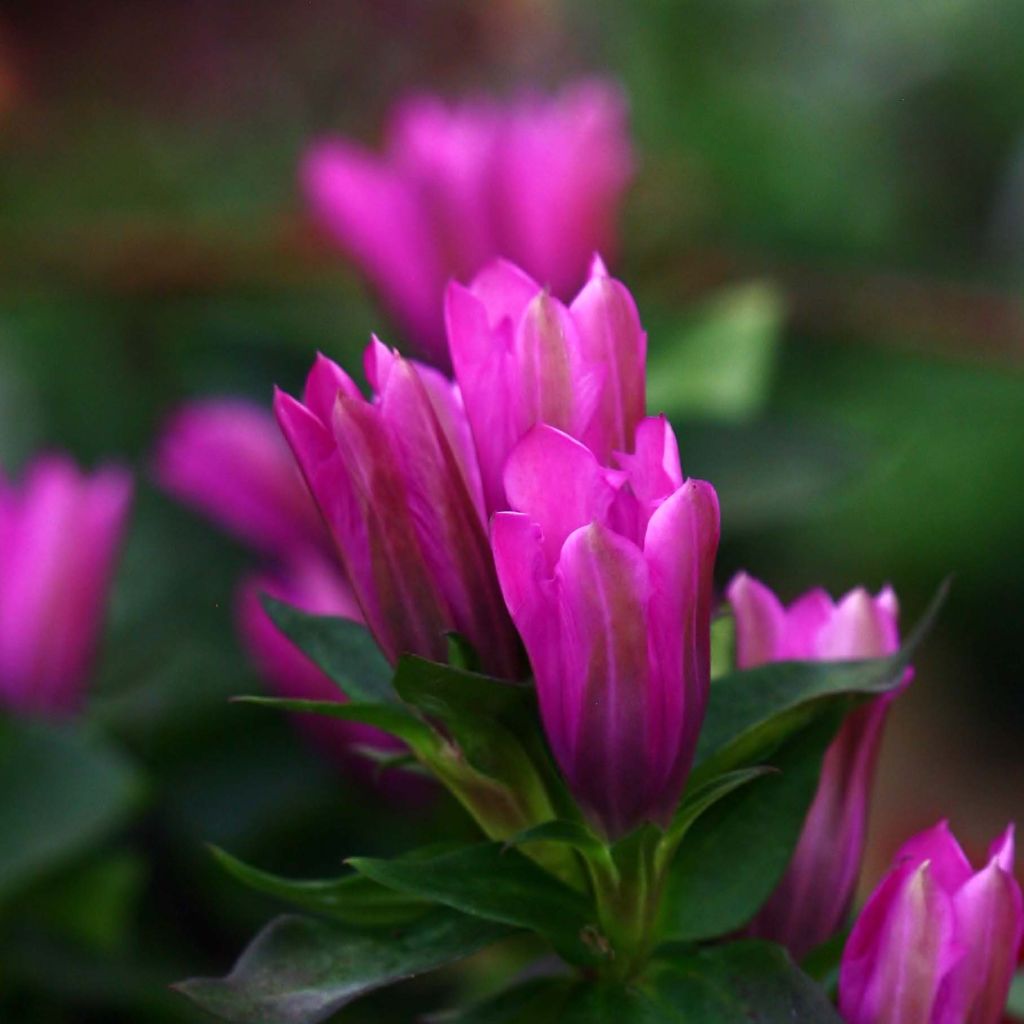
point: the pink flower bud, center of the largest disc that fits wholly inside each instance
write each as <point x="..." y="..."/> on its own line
<point x="59" y="537"/>
<point x="226" y="458"/>
<point x="521" y="357"/>
<point x="396" y="482"/>
<point x="937" y="941"/>
<point x="538" y="180"/>
<point x="608" y="575"/>
<point x="810" y="902"/>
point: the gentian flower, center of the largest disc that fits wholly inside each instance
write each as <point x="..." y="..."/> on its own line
<point x="538" y="181"/>
<point x="812" y="899"/>
<point x="608" y="574"/>
<point x="60" y="532"/>
<point x="521" y="357"/>
<point x="937" y="941"/>
<point x="397" y="483"/>
<point x="226" y="458"/>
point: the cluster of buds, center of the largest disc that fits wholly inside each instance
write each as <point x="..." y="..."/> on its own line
<point x="60" y="532"/>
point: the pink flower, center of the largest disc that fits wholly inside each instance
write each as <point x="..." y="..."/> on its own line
<point x="811" y="901"/>
<point x="59" y="537"/>
<point x="608" y="576"/>
<point x="521" y="357"/>
<point x="937" y="941"/>
<point x="538" y="181"/>
<point x="226" y="458"/>
<point x="397" y="483"/>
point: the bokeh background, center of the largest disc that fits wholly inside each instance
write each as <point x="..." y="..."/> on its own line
<point x="826" y="241"/>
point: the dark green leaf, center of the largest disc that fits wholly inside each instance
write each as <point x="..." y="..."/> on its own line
<point x="500" y="884"/>
<point x="822" y="963"/>
<point x="695" y="802"/>
<point x="446" y="692"/>
<point x="751" y="712"/>
<point x="617" y="1004"/>
<point x="1015" y="1002"/>
<point x="568" y="833"/>
<point x="345" y="650"/>
<point x="537" y="1001"/>
<point x="352" y="897"/>
<point x="736" y="984"/>
<point x="61" y="791"/>
<point x="734" y="854"/>
<point x="390" y="718"/>
<point x="300" y="970"/>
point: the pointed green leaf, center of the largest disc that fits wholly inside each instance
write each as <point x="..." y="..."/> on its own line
<point x="499" y="884"/>
<point x="733" y="855"/>
<point x="61" y="791"/>
<point x="345" y="650"/>
<point x="446" y="691"/>
<point x="390" y="718"/>
<point x="568" y="833"/>
<point x="300" y="970"/>
<point x="351" y="897"/>
<point x="751" y="712"/>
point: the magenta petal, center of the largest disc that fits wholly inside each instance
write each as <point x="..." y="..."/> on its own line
<point x="938" y="845"/>
<point x="611" y="336"/>
<point x="760" y="621"/>
<point x="558" y="483"/>
<point x="858" y="629"/>
<point x="900" y="949"/>
<point x="227" y="458"/>
<point x="377" y="218"/>
<point x="504" y="290"/>
<point x="606" y="689"/>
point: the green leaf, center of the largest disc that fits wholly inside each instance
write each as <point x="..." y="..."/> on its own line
<point x="721" y="366"/>
<point x="723" y="645"/>
<point x="447" y="692"/>
<point x="352" y="897"/>
<point x="345" y="650"/>
<point x="567" y="833"/>
<point x="751" y="712"/>
<point x="735" y="853"/>
<point x="300" y="970"/>
<point x="736" y="984"/>
<point x="491" y="881"/>
<point x="1015" y="1001"/>
<point x="537" y="1001"/>
<point x="701" y="799"/>
<point x="61" y="792"/>
<point x="390" y="718"/>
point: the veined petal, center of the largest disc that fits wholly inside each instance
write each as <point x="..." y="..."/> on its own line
<point x="603" y="590"/>
<point x="611" y="336"/>
<point x="901" y="948"/>
<point x="558" y="483"/>
<point x="679" y="549"/>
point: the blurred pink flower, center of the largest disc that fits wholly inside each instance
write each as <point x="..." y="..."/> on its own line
<point x="608" y="576"/>
<point x="521" y="357"/>
<point x="226" y="458"/>
<point x="810" y="902"/>
<point x="937" y="941"/>
<point x="60" y="532"/>
<point x="539" y="181"/>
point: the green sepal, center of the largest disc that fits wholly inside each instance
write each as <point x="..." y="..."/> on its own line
<point x="344" y="650"/>
<point x="495" y="882"/>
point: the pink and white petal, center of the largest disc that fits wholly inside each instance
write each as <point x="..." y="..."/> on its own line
<point x="760" y="621"/>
